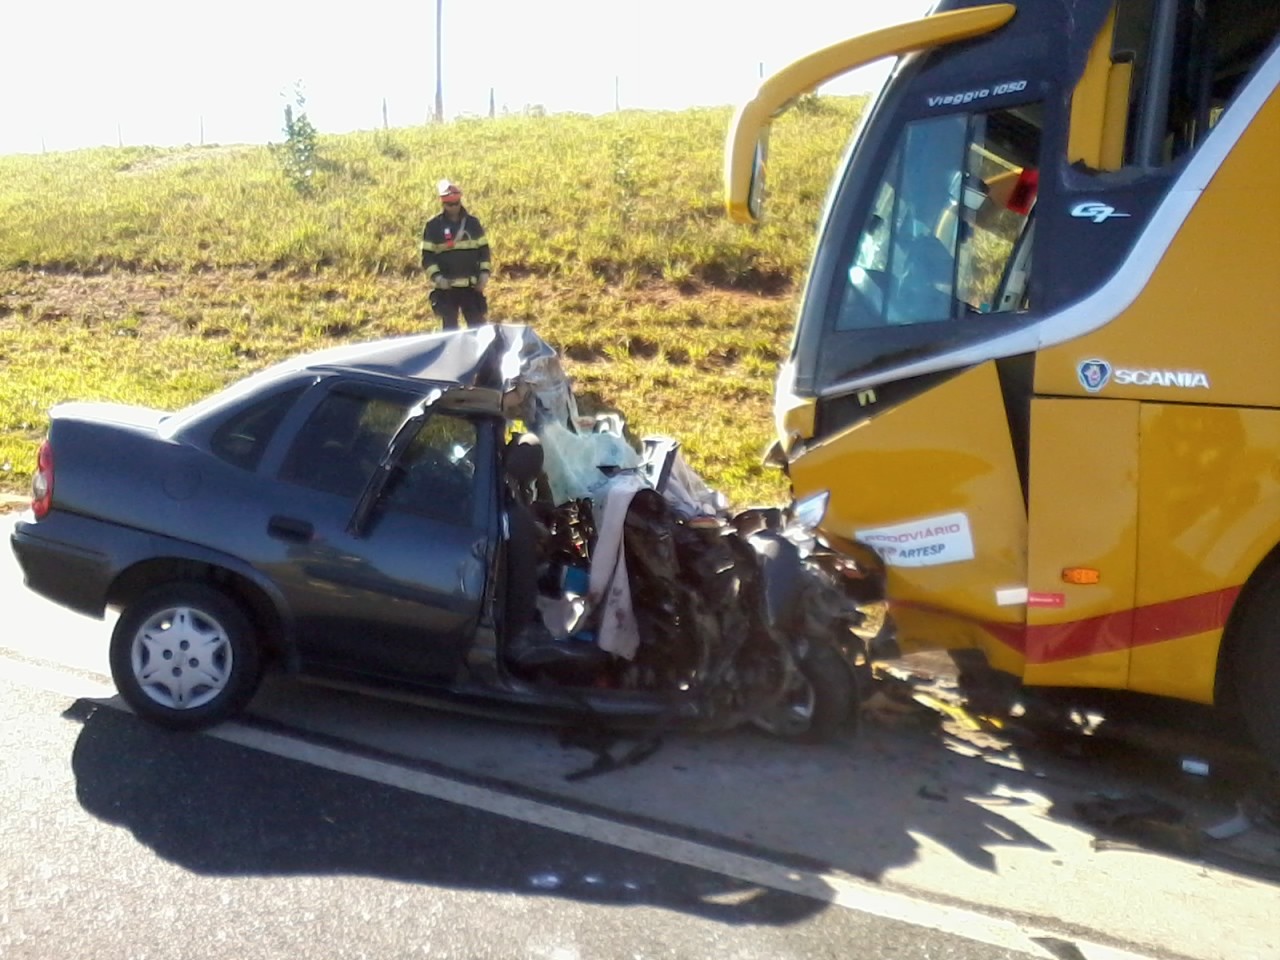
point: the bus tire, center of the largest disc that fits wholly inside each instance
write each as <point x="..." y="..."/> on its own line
<point x="1255" y="666"/>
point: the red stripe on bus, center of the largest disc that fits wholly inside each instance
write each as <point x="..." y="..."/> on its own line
<point x="1154" y="623"/>
<point x="1111" y="632"/>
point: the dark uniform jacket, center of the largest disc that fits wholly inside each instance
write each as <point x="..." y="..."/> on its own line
<point x="459" y="250"/>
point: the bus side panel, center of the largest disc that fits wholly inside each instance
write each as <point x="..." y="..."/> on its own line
<point x="1083" y="503"/>
<point x="1208" y="512"/>
<point x="1210" y="307"/>
<point x="932" y="484"/>
<point x="1182" y="668"/>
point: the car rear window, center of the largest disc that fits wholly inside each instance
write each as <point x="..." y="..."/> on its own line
<point x="243" y="437"/>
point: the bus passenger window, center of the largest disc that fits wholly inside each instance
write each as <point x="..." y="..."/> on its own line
<point x="1188" y="59"/>
<point x="948" y="234"/>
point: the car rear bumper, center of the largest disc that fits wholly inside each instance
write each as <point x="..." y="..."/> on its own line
<point x="68" y="559"/>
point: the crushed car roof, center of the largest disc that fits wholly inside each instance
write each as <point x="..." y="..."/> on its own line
<point x="496" y="356"/>
<point x="510" y="359"/>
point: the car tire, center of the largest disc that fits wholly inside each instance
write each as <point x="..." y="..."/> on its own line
<point x="820" y="702"/>
<point x="184" y="656"/>
<point x="1255" y="666"/>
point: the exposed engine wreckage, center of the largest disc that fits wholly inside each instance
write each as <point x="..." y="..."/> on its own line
<point x="627" y="573"/>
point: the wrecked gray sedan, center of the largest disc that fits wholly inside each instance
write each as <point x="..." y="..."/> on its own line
<point x="371" y="516"/>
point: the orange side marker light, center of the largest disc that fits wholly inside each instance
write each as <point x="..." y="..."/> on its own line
<point x="1081" y="575"/>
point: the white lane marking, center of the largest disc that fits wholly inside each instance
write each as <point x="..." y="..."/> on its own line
<point x="833" y="888"/>
<point x="52" y="680"/>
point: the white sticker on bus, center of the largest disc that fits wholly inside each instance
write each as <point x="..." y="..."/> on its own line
<point x="1011" y="596"/>
<point x="922" y="543"/>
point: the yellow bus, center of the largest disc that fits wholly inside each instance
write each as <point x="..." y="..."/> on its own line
<point x="1035" y="364"/>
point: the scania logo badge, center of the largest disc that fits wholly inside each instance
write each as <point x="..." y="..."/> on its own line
<point x="1093" y="374"/>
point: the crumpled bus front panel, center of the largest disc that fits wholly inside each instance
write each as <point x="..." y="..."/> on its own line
<point x="933" y="486"/>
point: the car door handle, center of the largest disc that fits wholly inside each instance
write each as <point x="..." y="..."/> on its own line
<point x="289" y="528"/>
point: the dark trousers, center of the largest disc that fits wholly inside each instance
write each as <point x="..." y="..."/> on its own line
<point x="447" y="303"/>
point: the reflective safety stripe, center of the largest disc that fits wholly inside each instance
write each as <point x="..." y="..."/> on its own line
<point x="457" y="250"/>
<point x="456" y="245"/>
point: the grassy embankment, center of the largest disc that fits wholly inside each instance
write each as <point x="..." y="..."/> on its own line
<point x="156" y="276"/>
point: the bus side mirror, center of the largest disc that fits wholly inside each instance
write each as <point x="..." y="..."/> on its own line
<point x="755" y="193"/>
<point x="746" y="160"/>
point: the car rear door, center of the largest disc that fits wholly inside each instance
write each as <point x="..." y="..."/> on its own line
<point x="399" y="595"/>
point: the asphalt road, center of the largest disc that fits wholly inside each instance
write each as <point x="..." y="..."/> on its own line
<point x="119" y="840"/>
<point x="330" y="825"/>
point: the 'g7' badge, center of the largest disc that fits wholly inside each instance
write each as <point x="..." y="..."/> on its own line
<point x="1093" y="374"/>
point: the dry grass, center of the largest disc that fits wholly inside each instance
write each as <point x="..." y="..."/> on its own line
<point x="154" y="277"/>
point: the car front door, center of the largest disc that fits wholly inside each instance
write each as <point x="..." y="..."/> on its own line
<point x="399" y="594"/>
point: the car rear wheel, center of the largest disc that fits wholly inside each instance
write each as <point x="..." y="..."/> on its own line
<point x="184" y="656"/>
<point x="820" y="700"/>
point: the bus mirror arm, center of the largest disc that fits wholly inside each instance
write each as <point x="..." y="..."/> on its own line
<point x="747" y="147"/>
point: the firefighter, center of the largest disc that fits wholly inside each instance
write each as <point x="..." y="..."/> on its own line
<point x="455" y="255"/>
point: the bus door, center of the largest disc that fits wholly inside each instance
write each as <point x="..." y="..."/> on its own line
<point x="1082" y="541"/>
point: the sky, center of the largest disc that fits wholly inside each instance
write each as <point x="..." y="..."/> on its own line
<point x="84" y="73"/>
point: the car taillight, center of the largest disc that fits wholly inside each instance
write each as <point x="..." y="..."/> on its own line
<point x="42" y="482"/>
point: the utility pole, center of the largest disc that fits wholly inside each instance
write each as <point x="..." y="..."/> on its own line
<point x="384" y="113"/>
<point x="439" y="71"/>
<point x="491" y="111"/>
<point x="616" y="100"/>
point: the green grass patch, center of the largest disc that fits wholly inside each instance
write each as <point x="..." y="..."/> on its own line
<point x="154" y="276"/>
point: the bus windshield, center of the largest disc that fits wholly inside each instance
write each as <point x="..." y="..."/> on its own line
<point x="949" y="229"/>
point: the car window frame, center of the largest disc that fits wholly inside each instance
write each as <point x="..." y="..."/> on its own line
<point x="273" y="461"/>
<point x="251" y="403"/>
<point x="199" y="432"/>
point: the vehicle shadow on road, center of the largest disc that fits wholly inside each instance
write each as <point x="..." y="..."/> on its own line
<point x="860" y="807"/>
<point x="216" y="808"/>
<point x="874" y="806"/>
<point x="857" y="806"/>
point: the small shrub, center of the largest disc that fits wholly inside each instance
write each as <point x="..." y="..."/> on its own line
<point x="625" y="178"/>
<point x="297" y="154"/>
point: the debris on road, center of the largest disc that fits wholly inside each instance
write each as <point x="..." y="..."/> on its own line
<point x="1175" y="792"/>
<point x="1231" y="827"/>
<point x="1196" y="767"/>
<point x="1142" y="819"/>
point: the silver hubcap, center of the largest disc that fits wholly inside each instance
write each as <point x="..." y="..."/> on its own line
<point x="181" y="658"/>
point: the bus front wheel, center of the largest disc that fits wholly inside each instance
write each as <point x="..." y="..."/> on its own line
<point x="1255" y="666"/>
